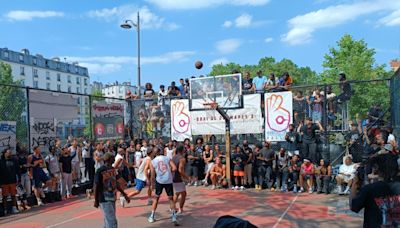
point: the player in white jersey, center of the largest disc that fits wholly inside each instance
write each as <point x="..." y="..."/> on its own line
<point x="162" y="168"/>
<point x="143" y="177"/>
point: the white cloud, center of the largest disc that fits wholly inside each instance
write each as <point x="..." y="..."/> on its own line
<point x="21" y="15"/>
<point x="228" y="46"/>
<point x="148" y="20"/>
<point x="220" y="61"/>
<point x="391" y="20"/>
<point x="227" y="24"/>
<point x="243" y="20"/>
<point x="110" y="64"/>
<point x="202" y="4"/>
<point x="302" y="27"/>
<point x="268" y="40"/>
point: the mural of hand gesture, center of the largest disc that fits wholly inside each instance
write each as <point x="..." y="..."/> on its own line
<point x="180" y="119"/>
<point x="278" y="118"/>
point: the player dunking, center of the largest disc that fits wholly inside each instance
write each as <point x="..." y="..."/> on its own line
<point x="162" y="168"/>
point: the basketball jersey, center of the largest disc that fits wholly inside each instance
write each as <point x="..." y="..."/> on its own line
<point x="163" y="169"/>
<point x="140" y="173"/>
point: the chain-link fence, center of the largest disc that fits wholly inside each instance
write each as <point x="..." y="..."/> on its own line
<point x="43" y="116"/>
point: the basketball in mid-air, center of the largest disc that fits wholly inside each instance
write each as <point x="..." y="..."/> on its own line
<point x="198" y="65"/>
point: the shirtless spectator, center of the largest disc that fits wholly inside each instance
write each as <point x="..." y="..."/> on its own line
<point x="217" y="172"/>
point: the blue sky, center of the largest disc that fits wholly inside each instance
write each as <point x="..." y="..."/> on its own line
<point x="176" y="33"/>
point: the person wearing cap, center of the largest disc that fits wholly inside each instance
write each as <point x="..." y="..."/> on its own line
<point x="346" y="175"/>
<point x="345" y="88"/>
<point x="354" y="141"/>
<point x="105" y="187"/>
<point x="292" y="139"/>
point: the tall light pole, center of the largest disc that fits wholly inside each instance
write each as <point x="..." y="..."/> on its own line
<point x="128" y="25"/>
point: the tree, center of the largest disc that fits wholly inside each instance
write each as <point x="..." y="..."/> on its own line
<point x="356" y="60"/>
<point x="13" y="102"/>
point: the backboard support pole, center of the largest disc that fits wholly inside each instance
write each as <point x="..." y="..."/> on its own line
<point x="227" y="144"/>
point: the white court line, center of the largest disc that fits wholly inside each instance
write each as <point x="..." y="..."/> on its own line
<point x="72" y="219"/>
<point x="285" y="212"/>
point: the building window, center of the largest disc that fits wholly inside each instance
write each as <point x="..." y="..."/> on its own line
<point x="21" y="58"/>
<point x="85" y="81"/>
<point x="76" y="69"/>
<point x="78" y="90"/>
<point x="34" y="61"/>
<point x="6" y="54"/>
<point x="78" y="80"/>
<point x="47" y="75"/>
<point x="35" y="84"/>
<point x="69" y="78"/>
<point x="22" y="70"/>
<point x="79" y="100"/>
<point x="23" y="82"/>
<point x="35" y="73"/>
<point x="86" y="101"/>
<point x="48" y="85"/>
<point x="69" y="89"/>
<point x="58" y="87"/>
<point x="85" y="91"/>
<point x="59" y="77"/>
<point x="58" y="65"/>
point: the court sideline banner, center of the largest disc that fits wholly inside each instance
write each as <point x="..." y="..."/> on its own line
<point x="180" y="120"/>
<point x="247" y="120"/>
<point x="278" y="115"/>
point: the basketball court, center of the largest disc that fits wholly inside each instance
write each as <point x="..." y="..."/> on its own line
<point x="203" y="207"/>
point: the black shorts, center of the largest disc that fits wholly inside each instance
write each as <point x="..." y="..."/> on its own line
<point x="169" y="189"/>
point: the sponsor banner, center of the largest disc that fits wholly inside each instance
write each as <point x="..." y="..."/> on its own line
<point x="8" y="131"/>
<point x="247" y="120"/>
<point x="278" y="115"/>
<point x="180" y="120"/>
<point x="108" y="120"/>
<point x="43" y="133"/>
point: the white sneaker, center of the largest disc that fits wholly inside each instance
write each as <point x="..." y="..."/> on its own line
<point x="347" y="190"/>
<point x="122" y="201"/>
<point x="340" y="190"/>
<point x="301" y="190"/>
<point x="233" y="188"/>
<point x="174" y="220"/>
<point x="310" y="191"/>
<point x="195" y="184"/>
<point x="213" y="187"/>
<point x="40" y="203"/>
<point x="15" y="210"/>
<point x="242" y="188"/>
<point x="151" y="219"/>
<point x="236" y="187"/>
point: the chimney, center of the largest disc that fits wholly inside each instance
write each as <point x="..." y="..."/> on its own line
<point x="395" y="64"/>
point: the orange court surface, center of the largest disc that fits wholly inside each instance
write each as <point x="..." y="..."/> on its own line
<point x="202" y="209"/>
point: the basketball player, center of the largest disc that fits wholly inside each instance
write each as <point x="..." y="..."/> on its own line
<point x="143" y="177"/>
<point x="162" y="168"/>
<point x="179" y="175"/>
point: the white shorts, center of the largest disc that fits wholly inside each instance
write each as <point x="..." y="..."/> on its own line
<point x="179" y="187"/>
<point x="346" y="179"/>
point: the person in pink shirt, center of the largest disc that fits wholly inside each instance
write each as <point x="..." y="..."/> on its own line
<point x="307" y="174"/>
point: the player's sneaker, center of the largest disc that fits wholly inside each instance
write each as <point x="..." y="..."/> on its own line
<point x="151" y="219"/>
<point x="174" y="220"/>
<point x="122" y="201"/>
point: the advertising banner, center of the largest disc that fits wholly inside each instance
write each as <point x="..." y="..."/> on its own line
<point x="108" y="120"/>
<point x="278" y="115"/>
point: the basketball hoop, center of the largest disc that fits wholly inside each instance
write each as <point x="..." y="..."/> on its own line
<point x="210" y="105"/>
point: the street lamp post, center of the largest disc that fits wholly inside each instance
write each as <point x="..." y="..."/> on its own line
<point x="128" y="25"/>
